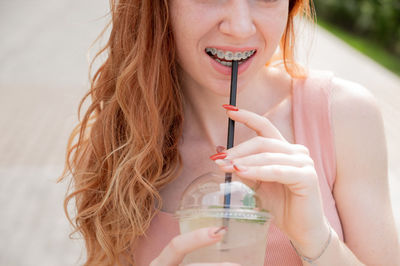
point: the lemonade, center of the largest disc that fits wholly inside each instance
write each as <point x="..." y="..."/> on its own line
<point x="245" y="240"/>
<point x="204" y="204"/>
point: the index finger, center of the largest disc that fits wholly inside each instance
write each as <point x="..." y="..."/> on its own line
<point x="260" y="124"/>
<point x="183" y="244"/>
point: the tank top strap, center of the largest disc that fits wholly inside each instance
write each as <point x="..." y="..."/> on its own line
<point x="312" y="119"/>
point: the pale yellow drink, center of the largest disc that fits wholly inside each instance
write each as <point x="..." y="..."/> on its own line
<point x="244" y="243"/>
<point x="209" y="201"/>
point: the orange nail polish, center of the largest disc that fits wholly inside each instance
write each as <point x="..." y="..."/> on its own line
<point x="239" y="168"/>
<point x="230" y="107"/>
<point x="220" y="231"/>
<point x="221" y="155"/>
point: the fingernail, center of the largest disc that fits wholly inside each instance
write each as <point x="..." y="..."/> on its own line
<point x="220" y="148"/>
<point x="221" y="155"/>
<point x="230" y="107"/>
<point x="239" y="168"/>
<point x="219" y="232"/>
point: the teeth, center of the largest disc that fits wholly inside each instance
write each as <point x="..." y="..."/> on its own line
<point x="239" y="56"/>
<point x="229" y="64"/>
<point x="229" y="55"/>
<point x="220" y="54"/>
<point x="213" y="51"/>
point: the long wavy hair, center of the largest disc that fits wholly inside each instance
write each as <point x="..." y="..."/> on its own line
<point x="125" y="147"/>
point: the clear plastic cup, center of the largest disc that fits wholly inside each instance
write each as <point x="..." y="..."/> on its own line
<point x="202" y="205"/>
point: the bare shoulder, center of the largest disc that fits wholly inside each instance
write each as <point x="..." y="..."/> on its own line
<point x="357" y="121"/>
<point x="361" y="188"/>
<point x="351" y="100"/>
<point x="358" y="132"/>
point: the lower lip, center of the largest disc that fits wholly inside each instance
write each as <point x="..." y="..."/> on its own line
<point x="226" y="70"/>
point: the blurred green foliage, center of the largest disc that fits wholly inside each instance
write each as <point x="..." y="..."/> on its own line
<point x="378" y="20"/>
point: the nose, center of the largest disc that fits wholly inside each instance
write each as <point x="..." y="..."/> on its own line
<point x="237" y="20"/>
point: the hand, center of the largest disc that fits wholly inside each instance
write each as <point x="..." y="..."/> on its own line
<point x="288" y="180"/>
<point x="183" y="244"/>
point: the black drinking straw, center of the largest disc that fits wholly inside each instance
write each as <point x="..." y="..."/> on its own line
<point x="231" y="132"/>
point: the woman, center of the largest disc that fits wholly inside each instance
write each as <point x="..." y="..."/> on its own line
<point x="313" y="142"/>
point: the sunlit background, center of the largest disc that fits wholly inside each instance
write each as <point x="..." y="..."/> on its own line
<point x="43" y="75"/>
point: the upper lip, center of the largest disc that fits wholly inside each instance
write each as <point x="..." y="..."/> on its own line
<point x="233" y="49"/>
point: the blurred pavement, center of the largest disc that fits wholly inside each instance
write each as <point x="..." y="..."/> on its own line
<point x="43" y="75"/>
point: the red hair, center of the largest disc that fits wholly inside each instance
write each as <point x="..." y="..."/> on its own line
<point x="125" y="147"/>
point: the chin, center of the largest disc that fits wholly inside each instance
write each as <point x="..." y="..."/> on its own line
<point x="222" y="88"/>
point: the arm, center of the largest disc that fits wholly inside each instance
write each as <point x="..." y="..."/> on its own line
<point x="361" y="188"/>
<point x="288" y="182"/>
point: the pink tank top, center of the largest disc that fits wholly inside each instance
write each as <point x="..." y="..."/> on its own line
<point x="312" y="128"/>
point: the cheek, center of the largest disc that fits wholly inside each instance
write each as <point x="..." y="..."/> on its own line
<point x="184" y="42"/>
<point x="273" y="27"/>
<point x="280" y="24"/>
<point x="184" y="27"/>
<point x="279" y="29"/>
<point x="187" y="18"/>
<point x="191" y="24"/>
<point x="177" y="25"/>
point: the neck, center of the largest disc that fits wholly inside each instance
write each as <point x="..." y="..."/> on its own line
<point x="206" y="119"/>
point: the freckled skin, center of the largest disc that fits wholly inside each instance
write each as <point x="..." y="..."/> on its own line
<point x="198" y="24"/>
<point x="288" y="179"/>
